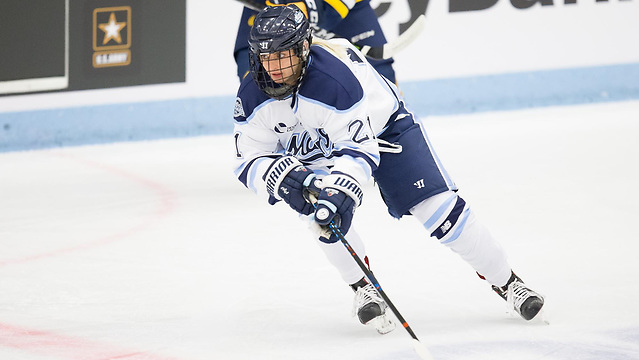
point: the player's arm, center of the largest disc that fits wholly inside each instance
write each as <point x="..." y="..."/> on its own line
<point x="331" y="12"/>
<point x="356" y="155"/>
<point x="240" y="52"/>
<point x="256" y="148"/>
<point x="263" y="167"/>
<point x="336" y="104"/>
<point x="269" y="172"/>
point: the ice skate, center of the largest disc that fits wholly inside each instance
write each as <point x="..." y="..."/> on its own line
<point x="526" y="302"/>
<point x="370" y="308"/>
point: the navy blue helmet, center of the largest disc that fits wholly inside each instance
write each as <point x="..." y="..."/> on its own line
<point x="275" y="30"/>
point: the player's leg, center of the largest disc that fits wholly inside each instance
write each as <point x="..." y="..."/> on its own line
<point x="415" y="182"/>
<point x="447" y="217"/>
<point x="369" y="307"/>
<point x="339" y="257"/>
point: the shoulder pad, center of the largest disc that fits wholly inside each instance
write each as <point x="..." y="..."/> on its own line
<point x="329" y="81"/>
<point x="249" y="97"/>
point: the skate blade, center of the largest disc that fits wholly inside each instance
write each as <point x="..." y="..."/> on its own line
<point x="382" y="324"/>
<point x="540" y="318"/>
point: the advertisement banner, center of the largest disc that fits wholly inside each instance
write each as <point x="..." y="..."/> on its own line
<point x="91" y="44"/>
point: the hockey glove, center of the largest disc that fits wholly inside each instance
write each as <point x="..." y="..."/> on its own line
<point x="287" y="179"/>
<point x="336" y="203"/>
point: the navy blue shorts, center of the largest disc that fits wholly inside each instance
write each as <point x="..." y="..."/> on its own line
<point x="407" y="178"/>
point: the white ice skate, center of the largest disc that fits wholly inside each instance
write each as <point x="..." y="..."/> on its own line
<point x="520" y="298"/>
<point x="370" y="309"/>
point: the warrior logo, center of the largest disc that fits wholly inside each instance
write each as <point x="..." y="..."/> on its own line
<point x="279" y="167"/>
<point x="351" y="186"/>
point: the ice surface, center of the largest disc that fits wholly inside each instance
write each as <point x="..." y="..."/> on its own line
<point x="152" y="250"/>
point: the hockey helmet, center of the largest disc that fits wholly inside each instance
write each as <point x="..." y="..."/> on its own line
<point x="275" y="30"/>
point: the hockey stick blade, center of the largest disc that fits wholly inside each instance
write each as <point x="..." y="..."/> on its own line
<point x="391" y="48"/>
<point x="421" y="350"/>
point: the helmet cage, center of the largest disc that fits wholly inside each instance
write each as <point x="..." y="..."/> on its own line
<point x="278" y="29"/>
<point x="280" y="90"/>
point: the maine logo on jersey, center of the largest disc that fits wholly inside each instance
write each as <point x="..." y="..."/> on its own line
<point x="112" y="36"/>
<point x="305" y="147"/>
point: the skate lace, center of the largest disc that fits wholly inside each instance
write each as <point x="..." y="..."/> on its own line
<point x="517" y="294"/>
<point x="365" y="295"/>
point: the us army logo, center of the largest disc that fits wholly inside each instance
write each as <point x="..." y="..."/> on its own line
<point x="112" y="36"/>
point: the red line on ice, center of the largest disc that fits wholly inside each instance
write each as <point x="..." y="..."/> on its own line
<point x="73" y="348"/>
<point x="166" y="206"/>
<point x="67" y="347"/>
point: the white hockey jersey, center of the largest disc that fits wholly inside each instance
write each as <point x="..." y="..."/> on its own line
<point x="330" y="124"/>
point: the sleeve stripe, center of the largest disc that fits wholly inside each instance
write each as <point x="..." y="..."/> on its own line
<point x="372" y="163"/>
<point x="246" y="172"/>
<point x="339" y="6"/>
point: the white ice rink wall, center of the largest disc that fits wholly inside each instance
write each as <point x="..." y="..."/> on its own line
<point x="473" y="55"/>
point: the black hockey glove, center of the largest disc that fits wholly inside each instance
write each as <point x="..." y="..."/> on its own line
<point x="287" y="179"/>
<point x="337" y="201"/>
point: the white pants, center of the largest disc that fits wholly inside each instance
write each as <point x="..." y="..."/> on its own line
<point x="449" y="219"/>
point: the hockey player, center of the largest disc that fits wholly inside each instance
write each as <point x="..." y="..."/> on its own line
<point x="314" y="121"/>
<point x="349" y="19"/>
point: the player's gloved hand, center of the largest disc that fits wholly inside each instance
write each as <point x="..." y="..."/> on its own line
<point x="337" y="201"/>
<point x="287" y="179"/>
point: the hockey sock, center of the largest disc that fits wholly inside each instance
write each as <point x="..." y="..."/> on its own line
<point x="448" y="218"/>
<point x="342" y="260"/>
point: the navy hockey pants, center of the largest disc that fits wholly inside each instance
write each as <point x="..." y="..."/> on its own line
<point x="407" y="178"/>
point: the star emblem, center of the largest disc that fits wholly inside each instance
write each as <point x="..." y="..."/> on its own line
<point x="112" y="30"/>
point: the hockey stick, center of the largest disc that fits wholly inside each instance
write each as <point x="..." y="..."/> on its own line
<point x="253" y="5"/>
<point x="420" y="349"/>
<point x="391" y="48"/>
<point x="383" y="52"/>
